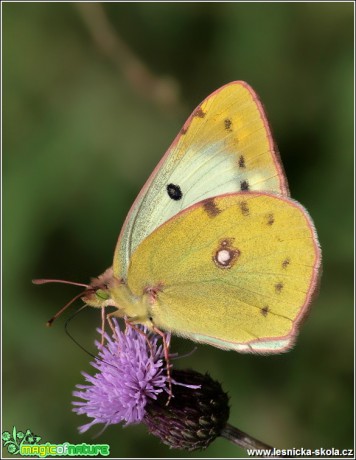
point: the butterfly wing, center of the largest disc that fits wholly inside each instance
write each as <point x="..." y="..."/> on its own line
<point x="237" y="271"/>
<point x="225" y="146"/>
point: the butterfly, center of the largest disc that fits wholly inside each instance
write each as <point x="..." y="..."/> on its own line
<point x="213" y="248"/>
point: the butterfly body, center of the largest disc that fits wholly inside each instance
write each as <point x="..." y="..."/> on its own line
<point x="213" y="248"/>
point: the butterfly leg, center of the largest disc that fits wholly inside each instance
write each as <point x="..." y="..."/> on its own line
<point x="129" y="323"/>
<point x="166" y="346"/>
<point x="102" y="325"/>
<point x="108" y="319"/>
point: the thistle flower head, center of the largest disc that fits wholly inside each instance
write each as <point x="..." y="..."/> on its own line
<point x="131" y="386"/>
<point x="129" y="374"/>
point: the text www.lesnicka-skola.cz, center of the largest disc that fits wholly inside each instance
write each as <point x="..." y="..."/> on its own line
<point x="301" y="452"/>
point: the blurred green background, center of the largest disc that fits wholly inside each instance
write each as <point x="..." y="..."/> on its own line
<point x="84" y="124"/>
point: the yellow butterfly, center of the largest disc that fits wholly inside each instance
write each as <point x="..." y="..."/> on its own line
<point x="213" y="248"/>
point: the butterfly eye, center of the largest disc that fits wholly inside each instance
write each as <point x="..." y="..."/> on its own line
<point x="174" y="192"/>
<point x="102" y="294"/>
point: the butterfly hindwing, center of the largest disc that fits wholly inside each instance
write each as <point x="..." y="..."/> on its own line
<point x="237" y="271"/>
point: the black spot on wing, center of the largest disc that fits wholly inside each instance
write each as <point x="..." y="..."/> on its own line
<point x="242" y="162"/>
<point x="244" y="186"/>
<point x="227" y="124"/>
<point x="174" y="192"/>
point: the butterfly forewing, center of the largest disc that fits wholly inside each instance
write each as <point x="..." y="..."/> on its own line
<point x="224" y="147"/>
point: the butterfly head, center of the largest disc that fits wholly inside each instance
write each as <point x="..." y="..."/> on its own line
<point x="106" y="291"/>
<point x="109" y="291"/>
<point x="98" y="293"/>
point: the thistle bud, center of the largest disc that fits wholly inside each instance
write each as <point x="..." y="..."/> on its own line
<point x="194" y="417"/>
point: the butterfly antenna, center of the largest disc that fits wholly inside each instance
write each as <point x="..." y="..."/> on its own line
<point x="50" y="321"/>
<point x="44" y="281"/>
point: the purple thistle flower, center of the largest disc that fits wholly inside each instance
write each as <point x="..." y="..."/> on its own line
<point x="131" y="386"/>
<point x="130" y="374"/>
